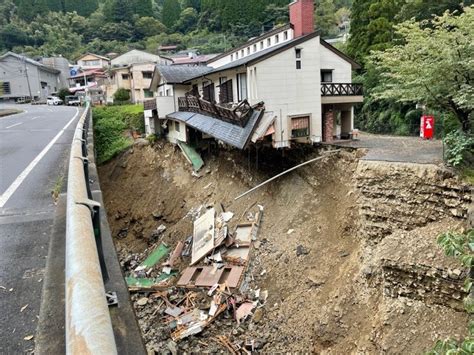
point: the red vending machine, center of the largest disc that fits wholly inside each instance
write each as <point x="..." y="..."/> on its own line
<point x="427" y="127"/>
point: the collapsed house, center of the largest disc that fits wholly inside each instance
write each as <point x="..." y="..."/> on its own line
<point x="287" y="85"/>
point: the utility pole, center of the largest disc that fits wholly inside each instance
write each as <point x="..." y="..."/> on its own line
<point x="27" y="78"/>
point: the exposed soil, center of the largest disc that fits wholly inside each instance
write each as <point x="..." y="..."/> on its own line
<point x="326" y="285"/>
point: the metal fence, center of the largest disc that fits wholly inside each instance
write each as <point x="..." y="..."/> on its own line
<point x="88" y="324"/>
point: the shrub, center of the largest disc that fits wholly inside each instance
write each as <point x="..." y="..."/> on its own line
<point x="458" y="146"/>
<point x="122" y="95"/>
<point x="151" y="138"/>
<point x="111" y="124"/>
<point x="62" y="93"/>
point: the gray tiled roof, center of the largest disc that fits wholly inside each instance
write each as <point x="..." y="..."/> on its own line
<point x="31" y="61"/>
<point x="228" y="133"/>
<point x="175" y="74"/>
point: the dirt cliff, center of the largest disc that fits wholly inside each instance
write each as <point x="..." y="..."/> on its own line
<point x="347" y="249"/>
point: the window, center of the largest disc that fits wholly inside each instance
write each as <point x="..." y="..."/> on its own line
<point x="298" y="64"/>
<point x="269" y="42"/>
<point x="91" y="63"/>
<point x="298" y="53"/>
<point x="285" y="35"/>
<point x="208" y="92"/>
<point x="176" y="126"/>
<point x="254" y="48"/>
<point x="148" y="93"/>
<point x="225" y="92"/>
<point x="147" y="74"/>
<point x="5" y="88"/>
<point x="231" y="57"/>
<point x="237" y="55"/>
<point x="261" y="45"/>
<point x="242" y="53"/>
<point x="125" y="76"/>
<point x="248" y="50"/>
<point x="326" y="76"/>
<point x="277" y="38"/>
<point x="242" y="86"/>
<point x="300" y="127"/>
<point x="167" y="92"/>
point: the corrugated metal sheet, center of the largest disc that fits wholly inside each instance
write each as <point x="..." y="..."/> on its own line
<point x="228" y="133"/>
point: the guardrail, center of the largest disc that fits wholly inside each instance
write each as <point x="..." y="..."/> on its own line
<point x="88" y="324"/>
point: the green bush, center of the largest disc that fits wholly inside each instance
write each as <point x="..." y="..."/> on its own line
<point x="458" y="147"/>
<point x="122" y="95"/>
<point x="112" y="126"/>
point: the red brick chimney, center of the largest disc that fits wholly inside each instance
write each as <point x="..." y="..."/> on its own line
<point x="302" y="17"/>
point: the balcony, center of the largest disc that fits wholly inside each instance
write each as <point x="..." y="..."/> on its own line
<point x="237" y="116"/>
<point x="333" y="93"/>
<point x="149" y="104"/>
<point x="339" y="89"/>
<point x="163" y="104"/>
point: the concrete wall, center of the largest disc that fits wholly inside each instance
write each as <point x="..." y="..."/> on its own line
<point x="62" y="65"/>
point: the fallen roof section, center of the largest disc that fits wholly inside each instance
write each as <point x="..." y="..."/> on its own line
<point x="228" y="133"/>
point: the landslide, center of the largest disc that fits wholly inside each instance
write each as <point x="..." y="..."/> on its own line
<point x="324" y="275"/>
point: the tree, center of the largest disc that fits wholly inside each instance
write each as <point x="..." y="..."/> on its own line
<point x="83" y="7"/>
<point x="118" y="10"/>
<point x="325" y="18"/>
<point x="187" y="20"/>
<point x="170" y="13"/>
<point x="122" y="95"/>
<point x="372" y="26"/>
<point x="148" y="26"/>
<point x="433" y="65"/>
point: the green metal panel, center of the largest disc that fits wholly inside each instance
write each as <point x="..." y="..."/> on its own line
<point x="191" y="155"/>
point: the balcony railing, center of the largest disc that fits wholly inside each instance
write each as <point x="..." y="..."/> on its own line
<point x="339" y="89"/>
<point x="238" y="115"/>
<point x="149" y="104"/>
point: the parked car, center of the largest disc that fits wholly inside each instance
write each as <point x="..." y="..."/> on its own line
<point x="54" y="100"/>
<point x="72" y="101"/>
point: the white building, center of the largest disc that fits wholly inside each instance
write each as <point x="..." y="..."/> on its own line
<point x="92" y="61"/>
<point x="285" y="86"/>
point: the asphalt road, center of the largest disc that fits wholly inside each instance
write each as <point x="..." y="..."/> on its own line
<point x="34" y="151"/>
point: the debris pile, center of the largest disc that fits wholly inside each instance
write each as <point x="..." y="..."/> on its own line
<point x="186" y="287"/>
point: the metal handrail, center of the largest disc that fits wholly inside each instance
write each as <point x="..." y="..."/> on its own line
<point x="88" y="324"/>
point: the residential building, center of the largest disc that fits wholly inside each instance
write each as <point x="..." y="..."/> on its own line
<point x="136" y="56"/>
<point x="92" y="61"/>
<point x="24" y="77"/>
<point x="133" y="77"/>
<point x="286" y="86"/>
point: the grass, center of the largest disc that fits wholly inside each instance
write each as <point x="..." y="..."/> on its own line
<point x="112" y="128"/>
<point x="467" y="175"/>
<point x="58" y="185"/>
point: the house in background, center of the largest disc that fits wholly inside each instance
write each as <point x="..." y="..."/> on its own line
<point x="136" y="56"/>
<point x="92" y="61"/>
<point x="21" y="77"/>
<point x="191" y="58"/>
<point x="134" y="77"/>
<point x="133" y="71"/>
<point x="286" y="86"/>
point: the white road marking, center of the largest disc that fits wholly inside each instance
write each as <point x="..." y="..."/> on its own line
<point x="13" y="125"/>
<point x="12" y="188"/>
<point x="34" y="118"/>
